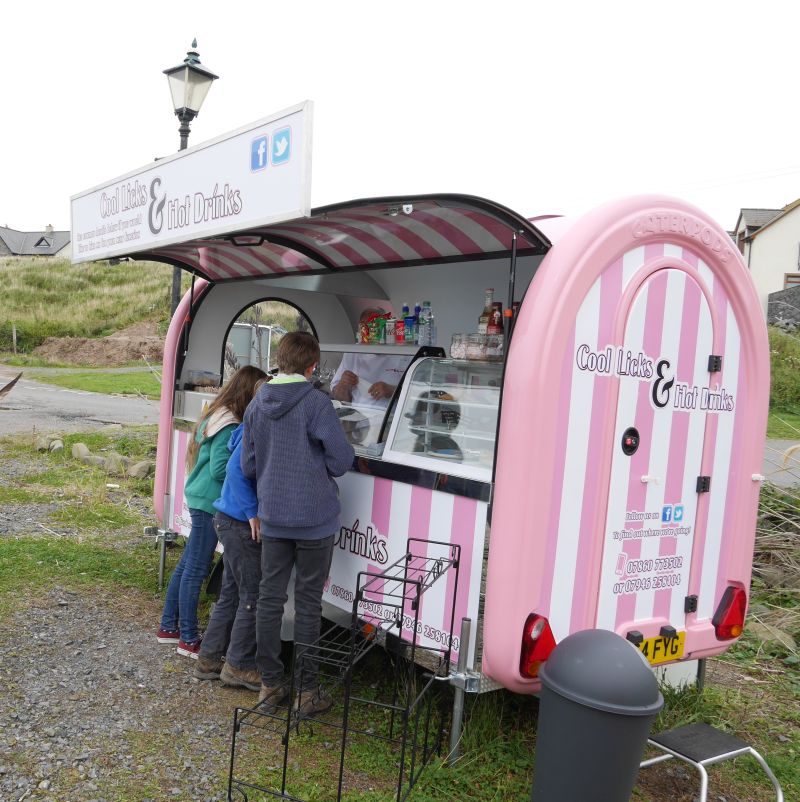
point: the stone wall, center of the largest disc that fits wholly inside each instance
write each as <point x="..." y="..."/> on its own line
<point x="783" y="309"/>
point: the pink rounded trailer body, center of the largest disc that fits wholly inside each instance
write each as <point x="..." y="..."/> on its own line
<point x="616" y="332"/>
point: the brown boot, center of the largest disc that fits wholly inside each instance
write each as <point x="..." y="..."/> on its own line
<point x="270" y="696"/>
<point x="311" y="702"/>
<point x="207" y="668"/>
<point x="240" y="677"/>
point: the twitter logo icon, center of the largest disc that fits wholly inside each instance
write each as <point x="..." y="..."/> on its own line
<point x="281" y="146"/>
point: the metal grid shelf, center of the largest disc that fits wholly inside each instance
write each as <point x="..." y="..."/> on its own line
<point x="410" y="721"/>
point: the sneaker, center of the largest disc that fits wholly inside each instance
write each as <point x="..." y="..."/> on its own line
<point x="311" y="702"/>
<point x="190" y="649"/>
<point x="168" y="635"/>
<point x="207" y="668"/>
<point x="249" y="678"/>
<point x="270" y="696"/>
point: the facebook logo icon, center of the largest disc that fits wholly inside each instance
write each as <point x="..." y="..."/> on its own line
<point x="258" y="153"/>
<point x="666" y="514"/>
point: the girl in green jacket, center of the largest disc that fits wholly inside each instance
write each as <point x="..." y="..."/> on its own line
<point x="206" y="460"/>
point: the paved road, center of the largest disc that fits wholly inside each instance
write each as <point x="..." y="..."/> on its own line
<point x="47" y="408"/>
<point x="782" y="468"/>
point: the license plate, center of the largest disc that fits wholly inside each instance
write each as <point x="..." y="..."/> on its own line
<point x="661" y="649"/>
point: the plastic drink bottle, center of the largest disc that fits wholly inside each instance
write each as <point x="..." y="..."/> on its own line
<point x="410" y="328"/>
<point x="427" y="325"/>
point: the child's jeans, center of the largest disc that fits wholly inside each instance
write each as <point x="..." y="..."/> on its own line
<point x="183" y="591"/>
<point x="311" y="560"/>
<point x="234" y="618"/>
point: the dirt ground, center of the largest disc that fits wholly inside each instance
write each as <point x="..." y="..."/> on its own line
<point x="140" y="341"/>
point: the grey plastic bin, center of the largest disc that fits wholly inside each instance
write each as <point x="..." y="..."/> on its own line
<point x="598" y="701"/>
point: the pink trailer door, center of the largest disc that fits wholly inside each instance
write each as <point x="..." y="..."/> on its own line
<point x="651" y="522"/>
<point x="631" y="434"/>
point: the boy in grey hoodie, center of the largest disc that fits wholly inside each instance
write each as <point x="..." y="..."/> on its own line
<point x="292" y="446"/>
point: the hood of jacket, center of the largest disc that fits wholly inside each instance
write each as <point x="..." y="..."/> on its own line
<point x="275" y="400"/>
<point x="216" y="422"/>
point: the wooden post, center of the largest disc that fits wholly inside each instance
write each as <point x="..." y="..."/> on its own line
<point x="14" y="337"/>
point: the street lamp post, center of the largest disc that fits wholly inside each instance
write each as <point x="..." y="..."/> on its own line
<point x="189" y="83"/>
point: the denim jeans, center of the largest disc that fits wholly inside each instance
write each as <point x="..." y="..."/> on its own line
<point x="311" y="560"/>
<point x="183" y="591"/>
<point x="233" y="621"/>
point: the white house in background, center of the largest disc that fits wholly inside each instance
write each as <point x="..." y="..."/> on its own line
<point x="35" y="243"/>
<point x="769" y="240"/>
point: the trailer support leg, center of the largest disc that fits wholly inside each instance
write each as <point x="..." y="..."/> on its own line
<point x="458" y="695"/>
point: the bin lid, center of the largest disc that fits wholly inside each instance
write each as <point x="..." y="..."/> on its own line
<point x="599" y="669"/>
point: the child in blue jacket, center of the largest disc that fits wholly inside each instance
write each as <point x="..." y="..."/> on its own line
<point x="231" y="629"/>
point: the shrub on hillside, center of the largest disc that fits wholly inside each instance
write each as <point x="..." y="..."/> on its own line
<point x="785" y="367"/>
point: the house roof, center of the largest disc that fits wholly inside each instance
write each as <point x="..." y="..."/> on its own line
<point x="790" y="207"/>
<point x="755" y="218"/>
<point x="34" y="243"/>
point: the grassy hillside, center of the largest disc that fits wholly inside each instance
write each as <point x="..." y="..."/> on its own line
<point x="53" y="298"/>
<point x="45" y="298"/>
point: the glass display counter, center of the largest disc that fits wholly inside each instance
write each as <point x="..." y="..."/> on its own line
<point x="361" y="381"/>
<point x="446" y="418"/>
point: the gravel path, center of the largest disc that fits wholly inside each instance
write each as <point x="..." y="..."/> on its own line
<point x="86" y="693"/>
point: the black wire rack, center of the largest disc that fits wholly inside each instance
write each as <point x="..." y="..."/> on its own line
<point x="404" y="710"/>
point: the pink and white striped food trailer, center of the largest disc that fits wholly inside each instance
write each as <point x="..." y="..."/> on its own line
<point x="605" y="474"/>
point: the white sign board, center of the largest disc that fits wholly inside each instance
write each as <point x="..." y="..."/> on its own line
<point x="256" y="175"/>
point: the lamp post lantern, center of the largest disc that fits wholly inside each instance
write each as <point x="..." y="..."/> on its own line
<point x="189" y="83"/>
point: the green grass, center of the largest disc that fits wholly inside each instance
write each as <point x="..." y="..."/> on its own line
<point x="29" y="563"/>
<point x="784" y="424"/>
<point x="57" y="299"/>
<point x="28" y="361"/>
<point x="785" y="369"/>
<point x="22" y="495"/>
<point x="144" y="383"/>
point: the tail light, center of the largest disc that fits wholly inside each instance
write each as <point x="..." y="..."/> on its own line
<point x="537" y="643"/>
<point x="728" y="621"/>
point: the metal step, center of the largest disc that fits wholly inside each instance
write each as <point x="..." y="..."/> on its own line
<point x="701" y="745"/>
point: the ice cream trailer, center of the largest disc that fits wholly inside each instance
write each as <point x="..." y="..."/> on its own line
<point x="603" y="474"/>
<point x="600" y="470"/>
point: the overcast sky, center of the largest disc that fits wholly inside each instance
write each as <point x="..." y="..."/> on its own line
<point x="546" y="107"/>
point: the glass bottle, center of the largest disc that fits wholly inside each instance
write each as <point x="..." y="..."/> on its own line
<point x="486" y="315"/>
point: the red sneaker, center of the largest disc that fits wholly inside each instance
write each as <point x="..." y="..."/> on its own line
<point x="190" y="649"/>
<point x="168" y="635"/>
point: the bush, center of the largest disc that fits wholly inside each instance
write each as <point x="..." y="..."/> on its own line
<point x="785" y="367"/>
<point x="53" y="298"/>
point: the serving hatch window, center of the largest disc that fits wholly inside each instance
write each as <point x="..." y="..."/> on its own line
<point x="361" y="386"/>
<point x="254" y="336"/>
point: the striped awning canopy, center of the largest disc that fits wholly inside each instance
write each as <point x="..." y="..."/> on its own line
<point x="361" y="234"/>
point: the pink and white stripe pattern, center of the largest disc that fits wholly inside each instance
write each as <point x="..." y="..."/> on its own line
<point x="396" y="511"/>
<point x="360" y="236"/>
<point x="179" y="519"/>
<point x="651" y="301"/>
